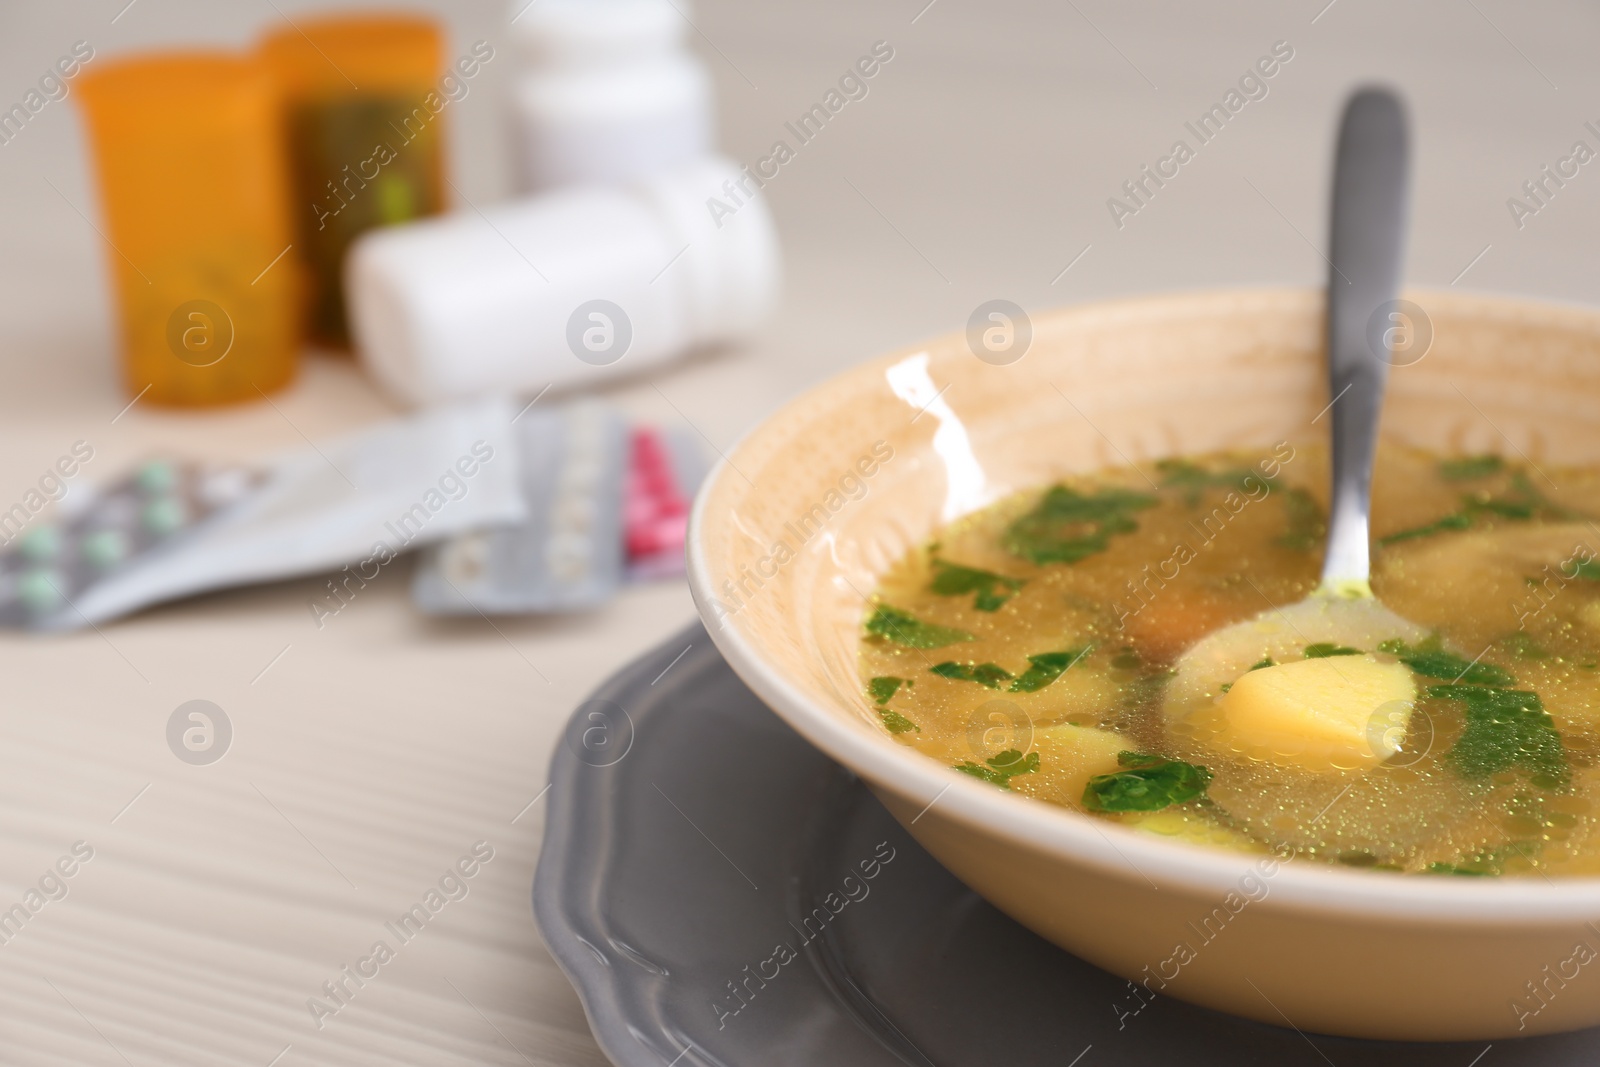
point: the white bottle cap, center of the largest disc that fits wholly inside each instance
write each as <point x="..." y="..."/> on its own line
<point x="574" y="287"/>
<point x="607" y="92"/>
<point x="731" y="262"/>
<point x="586" y="31"/>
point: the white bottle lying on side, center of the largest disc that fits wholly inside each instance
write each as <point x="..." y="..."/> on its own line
<point x="573" y="287"/>
<point x="606" y="92"/>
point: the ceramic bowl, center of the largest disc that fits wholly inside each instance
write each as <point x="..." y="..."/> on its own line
<point x="792" y="530"/>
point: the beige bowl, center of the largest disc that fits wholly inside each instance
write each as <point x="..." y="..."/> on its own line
<point x="792" y="530"/>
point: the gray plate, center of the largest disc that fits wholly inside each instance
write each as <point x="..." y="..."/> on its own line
<point x="690" y="832"/>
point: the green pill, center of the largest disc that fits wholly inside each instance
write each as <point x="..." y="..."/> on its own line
<point x="104" y="548"/>
<point x="163" y="515"/>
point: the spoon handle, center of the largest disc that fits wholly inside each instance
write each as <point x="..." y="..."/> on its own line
<point x="1366" y="244"/>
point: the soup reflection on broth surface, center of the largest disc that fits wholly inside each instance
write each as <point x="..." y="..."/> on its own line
<point x="1036" y="645"/>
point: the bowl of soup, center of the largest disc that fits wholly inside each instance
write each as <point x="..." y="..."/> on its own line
<point x="971" y="576"/>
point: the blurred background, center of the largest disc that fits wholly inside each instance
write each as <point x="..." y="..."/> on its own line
<point x="981" y="160"/>
<point x="981" y="163"/>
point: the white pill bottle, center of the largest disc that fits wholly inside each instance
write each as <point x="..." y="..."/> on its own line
<point x="606" y="91"/>
<point x="571" y="288"/>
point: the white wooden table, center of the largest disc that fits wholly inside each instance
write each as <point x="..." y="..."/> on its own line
<point x="370" y="755"/>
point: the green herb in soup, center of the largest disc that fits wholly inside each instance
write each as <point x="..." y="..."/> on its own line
<point x="1469" y="746"/>
<point x="1470" y="468"/>
<point x="1324" y="649"/>
<point x="1066" y="525"/>
<point x="900" y="628"/>
<point x="882" y="690"/>
<point x="1150" y="784"/>
<point x="1433" y="661"/>
<point x="896" y="723"/>
<point x="999" y="770"/>
<point x="1505" y="728"/>
<point x="985" y="674"/>
<point x="1045" y="668"/>
<point x="992" y="590"/>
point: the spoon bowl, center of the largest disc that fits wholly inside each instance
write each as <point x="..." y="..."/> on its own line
<point x="1206" y="672"/>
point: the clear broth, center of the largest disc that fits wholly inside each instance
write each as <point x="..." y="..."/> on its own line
<point x="1490" y="554"/>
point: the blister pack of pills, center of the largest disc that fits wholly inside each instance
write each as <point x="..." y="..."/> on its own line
<point x="568" y="554"/>
<point x="172" y="529"/>
<point x="146" y="512"/>
<point x="665" y="470"/>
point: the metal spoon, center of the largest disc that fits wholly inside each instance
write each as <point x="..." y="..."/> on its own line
<point x="1365" y="251"/>
<point x="1366" y="246"/>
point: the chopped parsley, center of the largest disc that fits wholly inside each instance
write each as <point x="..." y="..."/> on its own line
<point x="993" y="590"/>
<point x="1306" y="528"/>
<point x="1520" y="510"/>
<point x="1066" y="525"/>
<point x="1045" y="668"/>
<point x="1505" y="728"/>
<point x="897" y="723"/>
<point x="1194" y="479"/>
<point x="1431" y="660"/>
<point x="882" y="689"/>
<point x="1327" y="649"/>
<point x="1457" y="521"/>
<point x="1450" y="868"/>
<point x="1468" y="468"/>
<point x="903" y="628"/>
<point x="1265" y="661"/>
<point x="1522" y="646"/>
<point x="985" y="674"/>
<point x="1150" y="783"/>
<point x="1488" y="862"/>
<point x="999" y="770"/>
<point x="1587" y="569"/>
<point x="1525" y="495"/>
<point x="1522" y="503"/>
